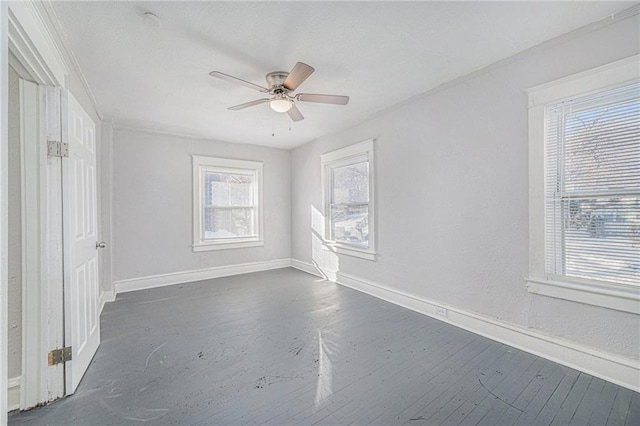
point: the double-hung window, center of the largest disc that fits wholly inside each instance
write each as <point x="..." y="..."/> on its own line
<point x="348" y="199"/>
<point x="227" y="205"/>
<point x="586" y="188"/>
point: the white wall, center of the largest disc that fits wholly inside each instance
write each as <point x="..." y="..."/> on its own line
<point x="152" y="206"/>
<point x="452" y="194"/>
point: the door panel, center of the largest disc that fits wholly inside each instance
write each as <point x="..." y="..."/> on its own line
<point x="82" y="322"/>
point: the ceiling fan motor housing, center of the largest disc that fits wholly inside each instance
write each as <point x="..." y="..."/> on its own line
<point x="276" y="79"/>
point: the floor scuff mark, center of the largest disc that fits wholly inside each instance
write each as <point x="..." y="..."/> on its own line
<point x="156" y="301"/>
<point x="146" y="363"/>
<point x="271" y="380"/>
<point x="498" y="398"/>
<point x="126" y="416"/>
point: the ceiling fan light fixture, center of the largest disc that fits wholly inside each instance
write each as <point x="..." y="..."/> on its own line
<point x="280" y="104"/>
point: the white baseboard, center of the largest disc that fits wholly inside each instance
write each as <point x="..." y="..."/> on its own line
<point x="106" y="296"/>
<point x="613" y="368"/>
<point x="309" y="268"/>
<point x="13" y="394"/>
<point x="153" y="281"/>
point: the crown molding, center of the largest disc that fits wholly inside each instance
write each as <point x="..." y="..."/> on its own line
<point x="123" y="124"/>
<point x="51" y="23"/>
<point x="34" y="54"/>
<point x="151" y="128"/>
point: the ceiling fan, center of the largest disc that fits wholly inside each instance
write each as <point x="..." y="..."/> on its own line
<point x="281" y="85"/>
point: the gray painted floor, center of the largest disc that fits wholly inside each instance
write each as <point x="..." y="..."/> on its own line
<point x="283" y="347"/>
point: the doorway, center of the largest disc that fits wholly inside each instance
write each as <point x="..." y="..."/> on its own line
<point x="54" y="327"/>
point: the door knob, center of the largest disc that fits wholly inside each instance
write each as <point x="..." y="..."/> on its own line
<point x="100" y="244"/>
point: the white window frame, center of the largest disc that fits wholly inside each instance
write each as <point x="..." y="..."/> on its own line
<point x="619" y="296"/>
<point x="342" y="157"/>
<point x="202" y="164"/>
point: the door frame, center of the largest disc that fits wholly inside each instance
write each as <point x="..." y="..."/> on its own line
<point x="4" y="174"/>
<point x="35" y="56"/>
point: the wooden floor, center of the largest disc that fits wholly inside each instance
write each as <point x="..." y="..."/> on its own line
<point x="283" y="347"/>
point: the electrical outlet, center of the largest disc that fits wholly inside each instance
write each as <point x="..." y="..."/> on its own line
<point x="441" y="311"/>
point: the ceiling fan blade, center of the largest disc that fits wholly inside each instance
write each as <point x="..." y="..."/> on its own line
<point x="236" y="80"/>
<point x="295" y="114"/>
<point x="249" y="104"/>
<point x="323" y="99"/>
<point x="298" y="74"/>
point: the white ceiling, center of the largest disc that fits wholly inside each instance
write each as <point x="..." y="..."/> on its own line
<point x="378" y="53"/>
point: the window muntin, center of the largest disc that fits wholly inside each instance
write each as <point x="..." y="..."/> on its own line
<point x="348" y="199"/>
<point x="592" y="188"/>
<point x="227" y="203"/>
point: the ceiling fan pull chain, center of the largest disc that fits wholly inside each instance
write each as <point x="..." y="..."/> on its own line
<point x="273" y="126"/>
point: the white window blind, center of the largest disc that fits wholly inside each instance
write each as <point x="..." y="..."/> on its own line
<point x="592" y="186"/>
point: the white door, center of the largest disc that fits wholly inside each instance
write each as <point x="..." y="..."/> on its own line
<point x="79" y="198"/>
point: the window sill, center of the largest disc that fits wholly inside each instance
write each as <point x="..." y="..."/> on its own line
<point x="227" y="245"/>
<point x="620" y="297"/>
<point x="351" y="251"/>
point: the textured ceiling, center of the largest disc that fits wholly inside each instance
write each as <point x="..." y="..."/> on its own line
<point x="378" y="53"/>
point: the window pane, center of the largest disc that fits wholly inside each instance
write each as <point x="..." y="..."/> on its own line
<point x="602" y="147"/>
<point x="226" y="189"/>
<point x="350" y="224"/>
<point x="228" y="223"/>
<point x="351" y="184"/>
<point x="602" y="238"/>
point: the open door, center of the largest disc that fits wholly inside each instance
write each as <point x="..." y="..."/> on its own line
<point x="79" y="204"/>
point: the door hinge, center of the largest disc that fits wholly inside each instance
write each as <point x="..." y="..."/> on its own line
<point x="57" y="149"/>
<point x="58" y="356"/>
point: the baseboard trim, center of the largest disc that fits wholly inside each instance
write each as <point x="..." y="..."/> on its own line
<point x="615" y="369"/>
<point x="152" y="281"/>
<point x="106" y="296"/>
<point x="309" y="268"/>
<point x="13" y="394"/>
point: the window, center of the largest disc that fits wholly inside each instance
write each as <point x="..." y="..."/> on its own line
<point x="592" y="189"/>
<point x="227" y="200"/>
<point x="585" y="183"/>
<point x="348" y="199"/>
